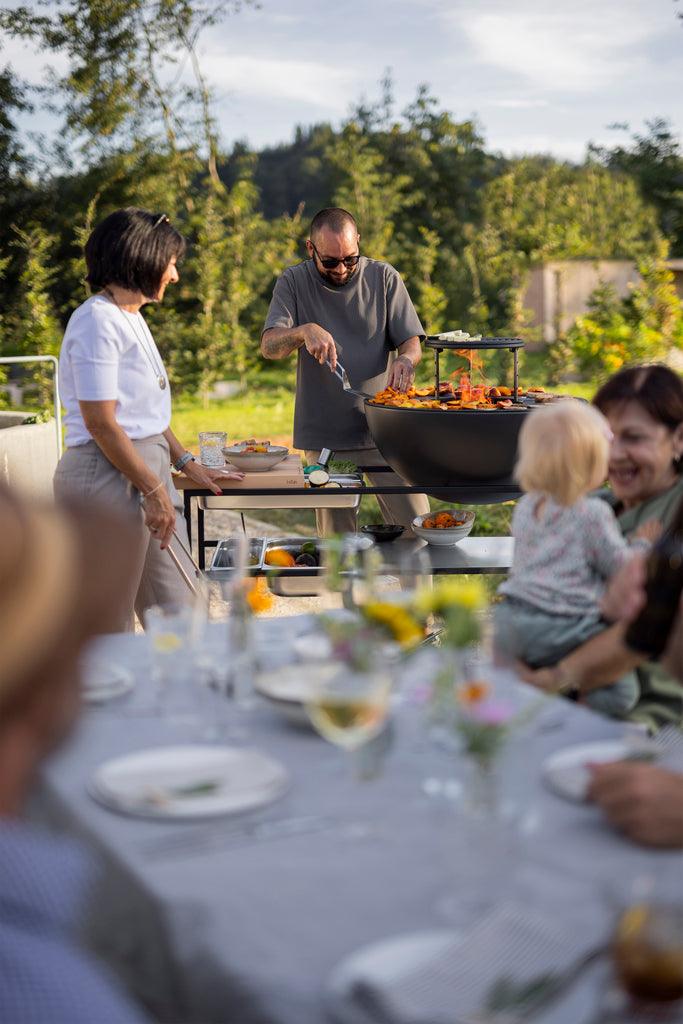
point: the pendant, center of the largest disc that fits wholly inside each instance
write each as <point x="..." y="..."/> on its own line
<point x="162" y="382"/>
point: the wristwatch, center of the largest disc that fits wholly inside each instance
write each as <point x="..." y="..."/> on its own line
<point x="180" y="463"/>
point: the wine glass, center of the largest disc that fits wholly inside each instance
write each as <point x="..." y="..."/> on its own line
<point x="346" y="563"/>
<point x="397" y="573"/>
<point x="349" y="706"/>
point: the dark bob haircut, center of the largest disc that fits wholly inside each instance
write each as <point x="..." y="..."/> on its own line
<point x="656" y="389"/>
<point x="132" y="248"/>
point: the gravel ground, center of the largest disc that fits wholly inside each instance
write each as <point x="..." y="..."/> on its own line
<point x="225" y="523"/>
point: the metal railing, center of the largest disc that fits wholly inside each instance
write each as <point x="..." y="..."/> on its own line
<point x="57" y="402"/>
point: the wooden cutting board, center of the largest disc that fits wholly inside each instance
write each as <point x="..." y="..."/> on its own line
<point x="288" y="473"/>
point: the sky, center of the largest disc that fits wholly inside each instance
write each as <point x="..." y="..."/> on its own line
<point x="537" y="75"/>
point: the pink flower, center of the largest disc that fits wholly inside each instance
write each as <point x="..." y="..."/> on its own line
<point x="490" y="712"/>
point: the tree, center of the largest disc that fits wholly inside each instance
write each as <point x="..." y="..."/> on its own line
<point x="655" y="162"/>
<point x="32" y="328"/>
<point x="645" y="325"/>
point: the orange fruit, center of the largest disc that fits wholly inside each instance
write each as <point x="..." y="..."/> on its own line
<point x="280" y="558"/>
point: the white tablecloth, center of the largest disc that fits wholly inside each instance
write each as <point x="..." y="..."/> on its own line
<point x="249" y="934"/>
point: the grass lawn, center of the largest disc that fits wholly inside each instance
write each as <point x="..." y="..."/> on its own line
<point x="266" y="410"/>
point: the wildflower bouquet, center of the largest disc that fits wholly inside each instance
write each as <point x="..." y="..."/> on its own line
<point x="482" y="721"/>
<point x="382" y="629"/>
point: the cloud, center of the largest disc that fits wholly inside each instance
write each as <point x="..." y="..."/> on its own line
<point x="557" y="49"/>
<point x="29" y="63"/>
<point x="258" y="77"/>
<point x="513" y="103"/>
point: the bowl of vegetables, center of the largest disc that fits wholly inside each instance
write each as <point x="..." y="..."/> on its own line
<point x="444" y="529"/>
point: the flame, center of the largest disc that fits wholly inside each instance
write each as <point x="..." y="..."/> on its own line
<point x="476" y="366"/>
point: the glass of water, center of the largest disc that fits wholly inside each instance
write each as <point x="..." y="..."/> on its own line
<point x="211" y="445"/>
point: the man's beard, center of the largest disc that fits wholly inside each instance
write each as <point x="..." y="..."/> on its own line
<point x="325" y="274"/>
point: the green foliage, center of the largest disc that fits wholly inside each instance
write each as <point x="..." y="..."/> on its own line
<point x="539" y="210"/>
<point x="32" y="327"/>
<point x="463" y="226"/>
<point x="644" y="326"/>
<point x="655" y="162"/>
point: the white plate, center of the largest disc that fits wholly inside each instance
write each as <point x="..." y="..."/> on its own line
<point x="381" y="959"/>
<point x="566" y="772"/>
<point x="102" y="681"/>
<point x="290" y="686"/>
<point x="157" y="783"/>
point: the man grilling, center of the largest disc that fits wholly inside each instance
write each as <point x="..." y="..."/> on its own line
<point x="339" y="304"/>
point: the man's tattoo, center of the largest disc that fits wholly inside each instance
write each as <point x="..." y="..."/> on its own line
<point x="276" y="348"/>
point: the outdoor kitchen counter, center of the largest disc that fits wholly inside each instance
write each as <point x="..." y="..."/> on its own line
<point x="471" y="555"/>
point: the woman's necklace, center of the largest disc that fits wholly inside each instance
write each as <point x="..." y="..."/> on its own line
<point x="147" y="348"/>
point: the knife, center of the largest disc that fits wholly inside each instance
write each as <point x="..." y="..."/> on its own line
<point x="340" y="373"/>
<point x="218" y="837"/>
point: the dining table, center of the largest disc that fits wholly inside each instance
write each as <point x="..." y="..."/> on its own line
<point x="245" y="919"/>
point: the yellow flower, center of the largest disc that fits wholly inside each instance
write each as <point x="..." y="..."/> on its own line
<point x="469" y="595"/>
<point x="400" y="623"/>
<point x="259" y="597"/>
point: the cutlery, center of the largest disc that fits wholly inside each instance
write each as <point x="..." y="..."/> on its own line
<point x="187" y="843"/>
<point x="340" y="373"/>
<point x="511" y="1003"/>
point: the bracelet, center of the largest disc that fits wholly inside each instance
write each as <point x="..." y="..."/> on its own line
<point x="183" y="461"/>
<point x="153" y="490"/>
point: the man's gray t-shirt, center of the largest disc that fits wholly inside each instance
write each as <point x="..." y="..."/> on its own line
<point x="369" y="317"/>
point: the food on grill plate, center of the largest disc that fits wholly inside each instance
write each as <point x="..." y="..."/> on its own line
<point x="462" y="395"/>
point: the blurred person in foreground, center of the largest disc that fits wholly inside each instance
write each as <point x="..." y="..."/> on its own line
<point x="341" y="305"/>
<point x="50" y="604"/>
<point x="642" y="800"/>
<point x="117" y="400"/>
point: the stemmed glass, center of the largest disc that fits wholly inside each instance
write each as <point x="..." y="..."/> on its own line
<point x="395" y="575"/>
<point x="349" y="705"/>
<point x="347" y="563"/>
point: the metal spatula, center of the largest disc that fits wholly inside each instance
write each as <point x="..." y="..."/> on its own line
<point x="341" y="375"/>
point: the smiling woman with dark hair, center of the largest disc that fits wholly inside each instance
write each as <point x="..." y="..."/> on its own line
<point x="117" y="399"/>
<point x="644" y="408"/>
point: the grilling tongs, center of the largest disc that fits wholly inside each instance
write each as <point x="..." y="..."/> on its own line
<point x="341" y="375"/>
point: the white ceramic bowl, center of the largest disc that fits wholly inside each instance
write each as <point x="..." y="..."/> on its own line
<point x="255" y="462"/>
<point x="445" y="538"/>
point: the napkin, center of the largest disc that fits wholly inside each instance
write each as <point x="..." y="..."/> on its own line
<point x="483" y="975"/>
<point x="669" y="745"/>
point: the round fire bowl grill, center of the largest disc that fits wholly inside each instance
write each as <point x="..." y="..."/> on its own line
<point x="472" y="449"/>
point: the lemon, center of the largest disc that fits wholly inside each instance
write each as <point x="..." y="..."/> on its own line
<point x="165" y="643"/>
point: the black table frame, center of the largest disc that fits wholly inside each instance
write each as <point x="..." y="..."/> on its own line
<point x="456" y="492"/>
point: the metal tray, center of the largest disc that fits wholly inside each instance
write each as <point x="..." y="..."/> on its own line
<point x="296" y="581"/>
<point x="222" y="560"/>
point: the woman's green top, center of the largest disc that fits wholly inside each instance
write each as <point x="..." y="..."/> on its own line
<point x="661" y="696"/>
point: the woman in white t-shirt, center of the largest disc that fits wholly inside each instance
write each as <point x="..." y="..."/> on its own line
<point x="116" y="394"/>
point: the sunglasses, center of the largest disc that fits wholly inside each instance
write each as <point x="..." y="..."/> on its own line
<point x="329" y="262"/>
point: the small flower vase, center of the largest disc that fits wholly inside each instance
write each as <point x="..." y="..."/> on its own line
<point x="481" y="797"/>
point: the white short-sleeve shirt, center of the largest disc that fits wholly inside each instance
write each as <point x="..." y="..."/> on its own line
<point x="108" y="354"/>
